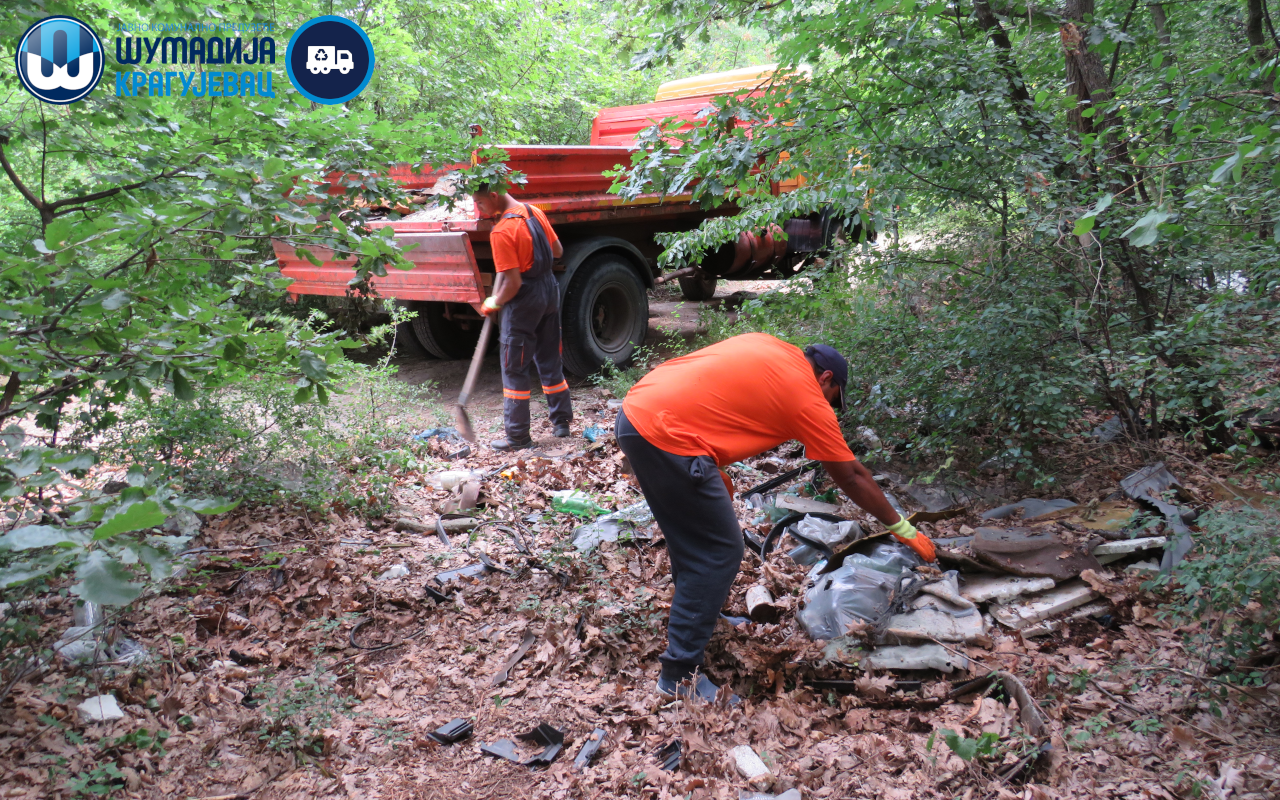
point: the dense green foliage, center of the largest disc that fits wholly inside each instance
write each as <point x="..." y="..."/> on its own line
<point x="1226" y="598"/>
<point x="1102" y="182"/>
<point x="137" y="268"/>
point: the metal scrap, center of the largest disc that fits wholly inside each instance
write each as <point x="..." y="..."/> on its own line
<point x="1148" y="486"/>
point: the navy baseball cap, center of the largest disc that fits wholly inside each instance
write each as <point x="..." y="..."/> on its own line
<point x="825" y="357"/>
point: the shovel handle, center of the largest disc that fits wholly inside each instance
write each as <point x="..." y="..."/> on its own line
<point x="476" y="359"/>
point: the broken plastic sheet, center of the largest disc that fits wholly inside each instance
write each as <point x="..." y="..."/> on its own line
<point x="1148" y="486"/>
<point x="1031" y="507"/>
<point x="609" y="528"/>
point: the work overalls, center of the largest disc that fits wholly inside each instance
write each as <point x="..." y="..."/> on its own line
<point x="529" y="335"/>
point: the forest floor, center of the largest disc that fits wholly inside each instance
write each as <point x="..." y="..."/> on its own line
<point x="301" y="655"/>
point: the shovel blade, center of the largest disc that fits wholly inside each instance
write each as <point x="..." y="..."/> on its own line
<point x="463" y="423"/>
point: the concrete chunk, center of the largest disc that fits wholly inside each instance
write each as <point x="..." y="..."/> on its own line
<point x="102" y="708"/>
<point x="1042" y="606"/>
<point x="751" y="767"/>
<point x="988" y="586"/>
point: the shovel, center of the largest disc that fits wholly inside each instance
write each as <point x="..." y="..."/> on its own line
<point x="460" y="418"/>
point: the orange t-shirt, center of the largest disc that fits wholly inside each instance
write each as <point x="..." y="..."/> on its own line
<point x="513" y="244"/>
<point x="734" y="400"/>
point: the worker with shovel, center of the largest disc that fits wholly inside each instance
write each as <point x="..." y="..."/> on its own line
<point x="525" y="290"/>
<point x="695" y="414"/>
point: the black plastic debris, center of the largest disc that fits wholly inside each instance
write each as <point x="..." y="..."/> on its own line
<point x="669" y="755"/>
<point x="454" y="731"/>
<point x="1147" y="486"/>
<point x="1031" y="508"/>
<point x="437" y="596"/>
<point x="503" y="748"/>
<point x="552" y="740"/>
<point x="589" y="749"/>
<point x="529" y="638"/>
<point x="469" y="571"/>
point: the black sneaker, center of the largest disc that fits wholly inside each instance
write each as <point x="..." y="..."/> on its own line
<point x="561" y="430"/>
<point x="701" y="688"/>
<point x="507" y="445"/>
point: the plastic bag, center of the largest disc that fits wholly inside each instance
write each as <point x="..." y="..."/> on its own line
<point x="886" y="555"/>
<point x="611" y="527"/>
<point x="832" y="534"/>
<point x="848" y="594"/>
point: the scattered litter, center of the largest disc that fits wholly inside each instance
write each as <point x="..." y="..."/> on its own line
<point x="503" y="748"/>
<point x="922" y="656"/>
<point x="1030" y="555"/>
<point x="594" y="433"/>
<point x="452" y="479"/>
<point x="669" y="755"/>
<point x="397" y="571"/>
<point x="102" y="708"/>
<point x="1147" y="486"/>
<point x="760" y="605"/>
<point x="576" y="502"/>
<point x="939" y="498"/>
<point x="1111" y="515"/>
<point x="985" y="586"/>
<point x="86" y="642"/>
<point x="434" y="595"/>
<point x="751" y="767"/>
<point x="1109" y="430"/>
<point x="1114" y="551"/>
<point x="1040" y="607"/>
<point x="614" y="404"/>
<point x="734" y="621"/>
<point x="589" y="749"/>
<point x="438" y="433"/>
<point x="454" y="731"/>
<point x="820" y="536"/>
<point x="529" y="638"/>
<point x="1094" y="609"/>
<point x="1031" y="508"/>
<point x="611" y="527"/>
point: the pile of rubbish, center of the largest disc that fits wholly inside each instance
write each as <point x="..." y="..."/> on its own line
<point x="1037" y="564"/>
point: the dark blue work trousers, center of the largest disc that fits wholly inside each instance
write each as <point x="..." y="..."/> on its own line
<point x="529" y="335"/>
<point x="694" y="511"/>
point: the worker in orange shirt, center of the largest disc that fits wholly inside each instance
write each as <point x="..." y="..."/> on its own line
<point x="695" y="414"/>
<point x="526" y="291"/>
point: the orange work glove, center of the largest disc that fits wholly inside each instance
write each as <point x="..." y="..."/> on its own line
<point x="728" y="482"/>
<point x="908" y="535"/>
<point x="489" y="306"/>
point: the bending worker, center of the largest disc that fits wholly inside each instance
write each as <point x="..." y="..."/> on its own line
<point x="715" y="406"/>
<point x="524" y="247"/>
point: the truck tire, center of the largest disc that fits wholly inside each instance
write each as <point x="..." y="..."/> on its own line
<point x="605" y="315"/>
<point x="441" y="336"/>
<point x="698" y="289"/>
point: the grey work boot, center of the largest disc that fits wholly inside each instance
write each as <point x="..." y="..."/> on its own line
<point x="561" y="430"/>
<point x="697" y="687"/>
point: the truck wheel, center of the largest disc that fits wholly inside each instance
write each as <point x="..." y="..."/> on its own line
<point x="605" y="315"/>
<point x="441" y="336"/>
<point x="698" y="289"/>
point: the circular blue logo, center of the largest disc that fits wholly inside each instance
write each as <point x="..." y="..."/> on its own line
<point x="60" y="60"/>
<point x="330" y="60"/>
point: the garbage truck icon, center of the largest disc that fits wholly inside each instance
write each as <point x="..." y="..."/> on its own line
<point x="321" y="59"/>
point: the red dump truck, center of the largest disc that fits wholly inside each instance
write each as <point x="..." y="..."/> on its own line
<point x="610" y="257"/>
